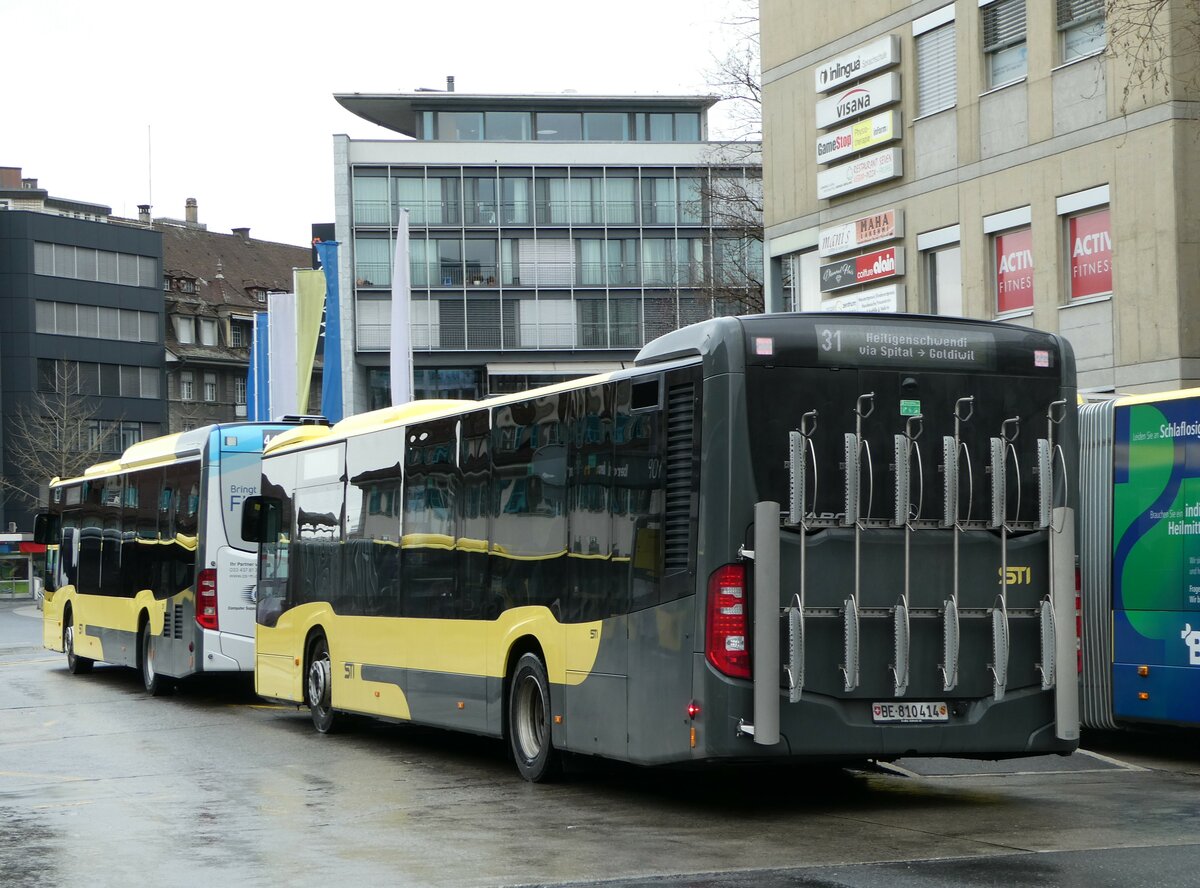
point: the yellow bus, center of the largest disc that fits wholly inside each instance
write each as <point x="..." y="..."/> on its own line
<point x="786" y="536"/>
<point x="146" y="566"/>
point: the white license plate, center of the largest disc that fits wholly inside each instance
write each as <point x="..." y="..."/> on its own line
<point x="912" y="713"/>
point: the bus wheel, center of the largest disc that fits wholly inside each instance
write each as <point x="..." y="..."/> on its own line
<point x="529" y="721"/>
<point x="320" y="692"/>
<point x="75" y="665"/>
<point x="156" y="685"/>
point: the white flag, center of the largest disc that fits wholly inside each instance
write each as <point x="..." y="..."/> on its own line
<point x="402" y="361"/>
<point x="281" y="331"/>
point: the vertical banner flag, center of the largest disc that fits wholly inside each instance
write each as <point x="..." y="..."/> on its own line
<point x="258" y="407"/>
<point x="310" y="302"/>
<point x="331" y="374"/>
<point x="402" y="361"/>
<point x="281" y="335"/>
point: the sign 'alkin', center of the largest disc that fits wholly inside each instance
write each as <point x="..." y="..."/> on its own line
<point x="865" y="269"/>
<point x="859" y="62"/>
<point x="857" y="100"/>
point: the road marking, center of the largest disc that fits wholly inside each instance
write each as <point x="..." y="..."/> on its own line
<point x="1117" y="764"/>
<point x="1128" y="766"/>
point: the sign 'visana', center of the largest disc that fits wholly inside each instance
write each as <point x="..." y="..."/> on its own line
<point x="854" y="101"/>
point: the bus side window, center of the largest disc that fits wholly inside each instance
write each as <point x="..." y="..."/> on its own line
<point x="638" y="495"/>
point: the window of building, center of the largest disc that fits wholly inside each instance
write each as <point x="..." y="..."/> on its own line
<point x="167" y="282"/>
<point x="185" y="329"/>
<point x="208" y="331"/>
<point x="508" y="126"/>
<point x="371" y="198"/>
<point x="1081" y="27"/>
<point x="187" y="390"/>
<point x="149" y="381"/>
<point x="1087" y="230"/>
<point x="1013" y="252"/>
<point x="804" y="276"/>
<point x="210" y="387"/>
<point x="131" y="382"/>
<point x="260" y="294"/>
<point x="558" y="126"/>
<point x="460" y="126"/>
<point x="941" y="269"/>
<point x="1004" y="41"/>
<point x="239" y="390"/>
<point x="604" y="126"/>
<point x="237" y="334"/>
<point x="546" y="323"/>
<point x="937" y="80"/>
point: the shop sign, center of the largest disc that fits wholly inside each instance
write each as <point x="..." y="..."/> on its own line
<point x="880" y="53"/>
<point x="1090" y="236"/>
<point x="1014" y="270"/>
<point x="857" y="270"/>
<point x="857" y="100"/>
<point x="877" y="130"/>
<point x="860" y="173"/>
<point x="880" y="299"/>
<point x="882" y="226"/>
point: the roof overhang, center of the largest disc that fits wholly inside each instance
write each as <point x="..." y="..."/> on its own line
<point x="398" y="111"/>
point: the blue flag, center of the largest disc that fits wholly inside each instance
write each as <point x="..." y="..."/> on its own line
<point x="331" y="380"/>
<point x="258" y="386"/>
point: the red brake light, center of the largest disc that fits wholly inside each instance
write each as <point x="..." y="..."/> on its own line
<point x="726" y="644"/>
<point x="1078" y="622"/>
<point x="206" y="600"/>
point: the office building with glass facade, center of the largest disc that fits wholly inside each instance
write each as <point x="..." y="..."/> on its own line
<point x="551" y="236"/>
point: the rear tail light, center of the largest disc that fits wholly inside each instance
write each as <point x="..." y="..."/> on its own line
<point x="726" y="640"/>
<point x="1078" y="623"/>
<point x="206" y="600"/>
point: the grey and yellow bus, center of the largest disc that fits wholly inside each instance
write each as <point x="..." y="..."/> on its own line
<point x="145" y="563"/>
<point x="790" y="537"/>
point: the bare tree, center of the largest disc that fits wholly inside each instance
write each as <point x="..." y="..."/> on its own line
<point x="56" y="434"/>
<point x="733" y="190"/>
<point x="1157" y="42"/>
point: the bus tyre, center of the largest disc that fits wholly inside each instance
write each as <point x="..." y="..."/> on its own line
<point x="529" y="721"/>
<point x="76" y="665"/>
<point x="320" y="690"/>
<point x="156" y="685"/>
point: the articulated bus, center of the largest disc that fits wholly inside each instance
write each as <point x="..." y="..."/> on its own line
<point x="790" y="537"/>
<point x="146" y="566"/>
<point x="1139" y="552"/>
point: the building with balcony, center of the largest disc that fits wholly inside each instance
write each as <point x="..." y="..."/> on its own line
<point x="551" y="236"/>
<point x="1025" y="161"/>
<point x="81" y="339"/>
<point x="212" y="284"/>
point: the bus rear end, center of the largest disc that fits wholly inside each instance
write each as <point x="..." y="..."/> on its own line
<point x="226" y="579"/>
<point x="895" y="574"/>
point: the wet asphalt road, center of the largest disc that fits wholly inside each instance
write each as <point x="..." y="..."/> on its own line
<point x="101" y="785"/>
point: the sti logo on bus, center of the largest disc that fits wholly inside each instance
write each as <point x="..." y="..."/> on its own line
<point x="1191" y="637"/>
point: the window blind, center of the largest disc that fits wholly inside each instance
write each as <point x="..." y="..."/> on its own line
<point x="1003" y="24"/>
<point x="1076" y="12"/>
<point x="936" y="70"/>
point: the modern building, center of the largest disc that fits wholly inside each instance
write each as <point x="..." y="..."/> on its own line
<point x="212" y="284"/>
<point x="551" y="235"/>
<point x="1003" y="159"/>
<point x="81" y="329"/>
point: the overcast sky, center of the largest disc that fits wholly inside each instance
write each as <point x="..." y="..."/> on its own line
<point x="152" y="101"/>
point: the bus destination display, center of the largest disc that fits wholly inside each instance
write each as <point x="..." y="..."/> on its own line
<point x="895" y="345"/>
